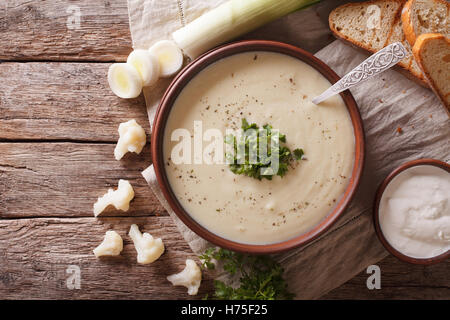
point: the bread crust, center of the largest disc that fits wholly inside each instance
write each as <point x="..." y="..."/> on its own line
<point x="408" y="71"/>
<point x="408" y="26"/>
<point x="404" y="70"/>
<point x="421" y="41"/>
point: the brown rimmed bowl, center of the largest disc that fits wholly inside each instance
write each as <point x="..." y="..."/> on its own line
<point x="376" y="214"/>
<point x="171" y="95"/>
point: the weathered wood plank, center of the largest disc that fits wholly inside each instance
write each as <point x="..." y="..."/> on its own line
<point x="69" y="101"/>
<point x="35" y="254"/>
<point x="65" y="179"/>
<point x="48" y="30"/>
<point x="399" y="280"/>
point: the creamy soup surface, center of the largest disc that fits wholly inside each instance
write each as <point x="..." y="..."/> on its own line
<point x="262" y="87"/>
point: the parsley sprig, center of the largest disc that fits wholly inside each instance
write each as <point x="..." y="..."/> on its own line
<point x="261" y="277"/>
<point x="261" y="168"/>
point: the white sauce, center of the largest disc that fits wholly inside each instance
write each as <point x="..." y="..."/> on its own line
<point x="264" y="88"/>
<point x="414" y="212"/>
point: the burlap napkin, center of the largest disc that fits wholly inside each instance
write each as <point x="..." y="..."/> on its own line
<point x="387" y="103"/>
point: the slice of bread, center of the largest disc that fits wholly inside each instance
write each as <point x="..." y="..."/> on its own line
<point x="354" y="23"/>
<point x="425" y="16"/>
<point x="409" y="63"/>
<point x="397" y="35"/>
<point x="432" y="53"/>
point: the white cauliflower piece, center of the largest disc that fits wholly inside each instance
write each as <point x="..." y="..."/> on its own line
<point x="119" y="198"/>
<point x="132" y="139"/>
<point x="190" y="277"/>
<point x="112" y="245"/>
<point x="148" y="248"/>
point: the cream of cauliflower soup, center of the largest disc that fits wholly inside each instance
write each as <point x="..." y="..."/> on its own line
<point x="263" y="88"/>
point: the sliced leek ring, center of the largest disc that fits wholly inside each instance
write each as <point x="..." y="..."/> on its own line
<point x="169" y="56"/>
<point x="124" y="80"/>
<point x="146" y="64"/>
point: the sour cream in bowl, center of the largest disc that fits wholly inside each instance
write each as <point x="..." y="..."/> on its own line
<point x="412" y="212"/>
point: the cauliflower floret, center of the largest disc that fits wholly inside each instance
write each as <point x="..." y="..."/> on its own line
<point x="190" y="277"/>
<point x="112" y="245"/>
<point x="148" y="248"/>
<point x="132" y="139"/>
<point x="119" y="198"/>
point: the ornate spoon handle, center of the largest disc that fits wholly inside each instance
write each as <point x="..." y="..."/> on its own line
<point x="375" y="64"/>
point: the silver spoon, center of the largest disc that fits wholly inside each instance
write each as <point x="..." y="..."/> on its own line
<point x="378" y="62"/>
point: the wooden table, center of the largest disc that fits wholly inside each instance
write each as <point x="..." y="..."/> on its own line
<point x="58" y="129"/>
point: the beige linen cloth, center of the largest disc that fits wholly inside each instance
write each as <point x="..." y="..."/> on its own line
<point x="386" y="103"/>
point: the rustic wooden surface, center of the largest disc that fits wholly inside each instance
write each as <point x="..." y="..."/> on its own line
<point x="72" y="176"/>
<point x="38" y="251"/>
<point x="62" y="101"/>
<point x="58" y="126"/>
<point x="37" y="30"/>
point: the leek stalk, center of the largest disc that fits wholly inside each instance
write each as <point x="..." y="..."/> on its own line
<point x="230" y="20"/>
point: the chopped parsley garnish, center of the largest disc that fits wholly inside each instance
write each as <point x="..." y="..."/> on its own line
<point x="261" y="277"/>
<point x="248" y="159"/>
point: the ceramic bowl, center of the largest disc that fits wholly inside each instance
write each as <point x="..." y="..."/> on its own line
<point x="376" y="216"/>
<point x="189" y="72"/>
